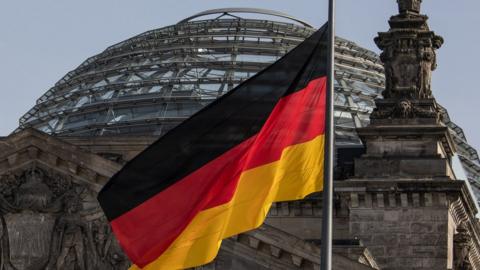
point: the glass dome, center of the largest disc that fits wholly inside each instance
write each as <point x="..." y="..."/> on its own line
<point x="149" y="83"/>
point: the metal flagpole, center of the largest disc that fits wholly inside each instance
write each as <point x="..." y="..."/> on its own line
<point x="327" y="216"/>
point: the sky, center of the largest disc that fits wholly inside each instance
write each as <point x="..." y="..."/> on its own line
<point x="40" y="41"/>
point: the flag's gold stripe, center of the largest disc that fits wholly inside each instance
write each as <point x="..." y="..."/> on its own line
<point x="298" y="173"/>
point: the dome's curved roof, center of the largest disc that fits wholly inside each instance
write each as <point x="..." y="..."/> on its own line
<point x="231" y="11"/>
<point x="151" y="82"/>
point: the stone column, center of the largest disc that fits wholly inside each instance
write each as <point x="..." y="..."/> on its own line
<point x="404" y="201"/>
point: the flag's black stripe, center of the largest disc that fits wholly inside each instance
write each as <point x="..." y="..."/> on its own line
<point x="214" y="130"/>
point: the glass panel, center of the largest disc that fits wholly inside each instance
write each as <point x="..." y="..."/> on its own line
<point x="107" y="95"/>
<point x="172" y="110"/>
<point x="210" y="87"/>
<point x="148" y="112"/>
<point x="155" y="89"/>
<point x="119" y="115"/>
<point x="187" y="109"/>
<point x="82" y="101"/>
<point x="100" y="83"/>
<point x="256" y="58"/>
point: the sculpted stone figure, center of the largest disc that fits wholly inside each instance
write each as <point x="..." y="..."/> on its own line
<point x="461" y="248"/>
<point x="72" y="231"/>
<point x="110" y="254"/>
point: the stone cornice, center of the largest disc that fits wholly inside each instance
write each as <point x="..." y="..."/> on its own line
<point x="439" y="186"/>
<point x="30" y="146"/>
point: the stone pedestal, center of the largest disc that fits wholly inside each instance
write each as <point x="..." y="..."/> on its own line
<point x="414" y="151"/>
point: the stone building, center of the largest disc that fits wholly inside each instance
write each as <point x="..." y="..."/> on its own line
<point x="398" y="201"/>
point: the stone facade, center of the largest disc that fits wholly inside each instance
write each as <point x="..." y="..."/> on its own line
<point x="50" y="218"/>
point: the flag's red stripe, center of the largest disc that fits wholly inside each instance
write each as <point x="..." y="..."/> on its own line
<point x="296" y="118"/>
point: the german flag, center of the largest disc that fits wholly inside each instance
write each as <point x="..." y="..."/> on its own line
<point x="217" y="174"/>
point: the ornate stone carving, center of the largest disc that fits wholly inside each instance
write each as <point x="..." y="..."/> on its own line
<point x="47" y="221"/>
<point x="462" y="244"/>
<point x="405" y="131"/>
<point x="409" y="59"/>
<point x="403" y="109"/>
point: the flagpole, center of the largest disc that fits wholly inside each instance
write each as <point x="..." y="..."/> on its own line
<point x="327" y="216"/>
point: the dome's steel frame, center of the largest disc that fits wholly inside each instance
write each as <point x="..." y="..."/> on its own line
<point x="151" y="82"/>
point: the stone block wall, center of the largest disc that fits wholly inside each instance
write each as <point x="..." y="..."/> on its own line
<point x="403" y="230"/>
